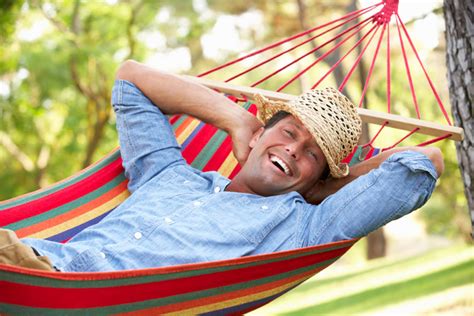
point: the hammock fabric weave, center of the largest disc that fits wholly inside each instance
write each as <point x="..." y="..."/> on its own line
<point x="223" y="287"/>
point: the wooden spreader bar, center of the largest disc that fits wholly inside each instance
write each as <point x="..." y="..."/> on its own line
<point x="368" y="116"/>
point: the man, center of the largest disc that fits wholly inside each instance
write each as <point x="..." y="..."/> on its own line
<point x="177" y="214"/>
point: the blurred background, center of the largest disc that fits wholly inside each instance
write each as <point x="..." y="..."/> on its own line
<point x="57" y="66"/>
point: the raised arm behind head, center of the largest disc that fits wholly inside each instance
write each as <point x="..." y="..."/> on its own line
<point x="176" y="95"/>
<point x="325" y="188"/>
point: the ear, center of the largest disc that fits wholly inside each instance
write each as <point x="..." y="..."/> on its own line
<point x="256" y="137"/>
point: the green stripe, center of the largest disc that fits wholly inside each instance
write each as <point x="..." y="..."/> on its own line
<point x="80" y="176"/>
<point x="209" y="150"/>
<point x="247" y="105"/>
<point x="167" y="300"/>
<point x="179" y="122"/>
<point x="48" y="282"/>
<point x="202" y="294"/>
<point x="68" y="206"/>
<point x="212" y="146"/>
<point x="355" y="159"/>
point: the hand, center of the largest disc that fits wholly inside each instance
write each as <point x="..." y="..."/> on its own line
<point x="320" y="191"/>
<point x="241" y="135"/>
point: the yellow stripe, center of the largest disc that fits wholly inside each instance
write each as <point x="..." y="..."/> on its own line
<point x="237" y="301"/>
<point x="82" y="218"/>
<point x="228" y="165"/>
<point x="187" y="131"/>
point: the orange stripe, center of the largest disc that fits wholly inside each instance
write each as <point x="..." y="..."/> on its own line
<point x="84" y="208"/>
<point x="183" y="125"/>
<point x="202" y="302"/>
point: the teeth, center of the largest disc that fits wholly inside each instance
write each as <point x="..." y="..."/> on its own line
<point x="281" y="163"/>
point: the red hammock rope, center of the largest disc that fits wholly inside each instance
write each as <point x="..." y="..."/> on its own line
<point x="407" y="67"/>
<point x="440" y="103"/>
<point x="358" y="27"/>
<point x="356" y="63"/>
<point x="380" y="16"/>
<point x="292" y="48"/>
<point x="367" y="80"/>
<point x="375" y="27"/>
<point x="389" y="72"/>
<point x="279" y="43"/>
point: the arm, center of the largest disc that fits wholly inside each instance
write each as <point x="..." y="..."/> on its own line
<point x="175" y="95"/>
<point x="324" y="188"/>
<point x="401" y="184"/>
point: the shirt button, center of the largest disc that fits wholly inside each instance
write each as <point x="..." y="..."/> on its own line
<point x="217" y="189"/>
<point x="168" y="220"/>
<point x="137" y="235"/>
<point x="186" y="182"/>
<point x="102" y="255"/>
<point x="264" y="207"/>
<point x="197" y="203"/>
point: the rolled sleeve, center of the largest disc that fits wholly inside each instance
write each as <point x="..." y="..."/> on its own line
<point x="147" y="142"/>
<point x="402" y="184"/>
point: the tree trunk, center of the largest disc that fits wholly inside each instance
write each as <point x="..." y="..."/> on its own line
<point x="458" y="15"/>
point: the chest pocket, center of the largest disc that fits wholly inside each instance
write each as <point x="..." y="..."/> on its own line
<point x="252" y="218"/>
<point x="180" y="180"/>
<point x="90" y="260"/>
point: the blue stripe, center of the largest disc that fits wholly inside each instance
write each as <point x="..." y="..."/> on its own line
<point x="67" y="234"/>
<point x="246" y="307"/>
<point x="376" y="152"/>
<point x="191" y="136"/>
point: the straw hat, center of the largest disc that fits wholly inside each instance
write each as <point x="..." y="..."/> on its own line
<point x="328" y="115"/>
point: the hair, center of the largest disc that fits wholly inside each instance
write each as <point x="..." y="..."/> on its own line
<point x="277" y="117"/>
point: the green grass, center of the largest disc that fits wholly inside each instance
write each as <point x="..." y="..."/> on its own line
<point x="370" y="299"/>
<point x="378" y="284"/>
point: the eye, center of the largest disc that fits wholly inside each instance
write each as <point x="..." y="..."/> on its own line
<point x="313" y="154"/>
<point x="289" y="133"/>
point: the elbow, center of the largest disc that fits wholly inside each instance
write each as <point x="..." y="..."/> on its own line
<point x="436" y="157"/>
<point x="127" y="70"/>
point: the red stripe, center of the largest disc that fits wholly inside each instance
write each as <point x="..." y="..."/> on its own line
<point x="349" y="158"/>
<point x="44" y="297"/>
<point x="219" y="156"/>
<point x="224" y="150"/>
<point x="174" y="118"/>
<point x="369" y="154"/>
<point x="197" y="144"/>
<point x="235" y="171"/>
<point x="253" y="110"/>
<point x="61" y="197"/>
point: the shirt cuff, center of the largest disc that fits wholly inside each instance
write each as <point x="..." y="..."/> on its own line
<point x="125" y="92"/>
<point x="415" y="161"/>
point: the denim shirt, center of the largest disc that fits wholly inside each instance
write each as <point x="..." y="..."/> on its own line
<point x="177" y="214"/>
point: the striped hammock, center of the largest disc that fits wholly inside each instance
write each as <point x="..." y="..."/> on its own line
<point x="232" y="286"/>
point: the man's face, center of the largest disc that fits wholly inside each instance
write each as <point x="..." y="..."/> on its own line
<point x="284" y="158"/>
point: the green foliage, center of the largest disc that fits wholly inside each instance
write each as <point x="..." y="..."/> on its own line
<point x="9" y="10"/>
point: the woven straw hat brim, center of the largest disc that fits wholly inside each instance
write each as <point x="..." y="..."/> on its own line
<point x="335" y="138"/>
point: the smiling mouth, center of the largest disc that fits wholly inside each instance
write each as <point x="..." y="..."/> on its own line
<point x="280" y="164"/>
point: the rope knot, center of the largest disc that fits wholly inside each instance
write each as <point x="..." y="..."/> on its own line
<point x="389" y="7"/>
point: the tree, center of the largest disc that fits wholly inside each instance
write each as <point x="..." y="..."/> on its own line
<point x="458" y="15"/>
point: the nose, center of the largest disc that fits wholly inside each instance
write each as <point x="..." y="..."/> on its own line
<point x="293" y="149"/>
